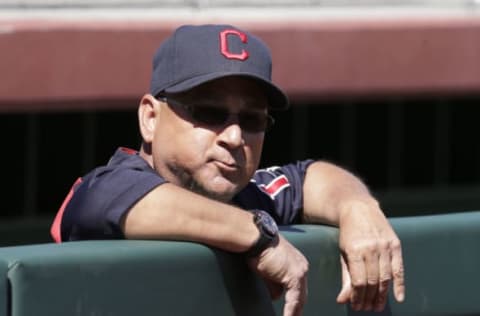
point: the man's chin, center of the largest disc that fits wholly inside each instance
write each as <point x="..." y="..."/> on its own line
<point x="222" y="194"/>
<point x="218" y="188"/>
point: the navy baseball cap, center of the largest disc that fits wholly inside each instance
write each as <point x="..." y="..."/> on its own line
<point x="194" y="55"/>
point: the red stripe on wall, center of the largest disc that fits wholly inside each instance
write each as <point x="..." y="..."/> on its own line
<point x="57" y="65"/>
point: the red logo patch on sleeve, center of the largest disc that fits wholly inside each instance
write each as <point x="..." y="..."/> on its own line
<point x="275" y="186"/>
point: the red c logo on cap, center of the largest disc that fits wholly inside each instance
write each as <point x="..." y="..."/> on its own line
<point x="224" y="44"/>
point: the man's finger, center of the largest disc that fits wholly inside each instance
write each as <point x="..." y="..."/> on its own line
<point x="344" y="295"/>
<point x="371" y="289"/>
<point x="295" y="298"/>
<point x="385" y="275"/>
<point x="358" y="276"/>
<point x="398" y="272"/>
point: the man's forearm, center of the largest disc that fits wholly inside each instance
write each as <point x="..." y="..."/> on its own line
<point x="330" y="190"/>
<point x="172" y="213"/>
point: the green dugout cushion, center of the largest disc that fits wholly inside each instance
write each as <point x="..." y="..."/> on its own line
<point x="441" y="254"/>
<point x="441" y="258"/>
<point x="3" y="288"/>
<point x="442" y="263"/>
<point x="131" y="278"/>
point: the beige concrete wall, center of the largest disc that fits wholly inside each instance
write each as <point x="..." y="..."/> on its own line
<point x="237" y="3"/>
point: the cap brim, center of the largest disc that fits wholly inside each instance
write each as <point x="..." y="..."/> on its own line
<point x="277" y="100"/>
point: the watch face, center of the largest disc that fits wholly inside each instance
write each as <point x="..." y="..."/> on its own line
<point x="268" y="224"/>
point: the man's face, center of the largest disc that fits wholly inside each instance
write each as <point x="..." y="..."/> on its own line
<point x="211" y="158"/>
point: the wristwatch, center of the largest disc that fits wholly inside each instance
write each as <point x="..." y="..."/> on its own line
<point x="268" y="233"/>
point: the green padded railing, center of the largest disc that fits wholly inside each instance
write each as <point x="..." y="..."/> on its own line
<point x="3" y="289"/>
<point x="441" y="253"/>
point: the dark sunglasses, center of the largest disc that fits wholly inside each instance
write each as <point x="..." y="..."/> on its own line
<point x="253" y="122"/>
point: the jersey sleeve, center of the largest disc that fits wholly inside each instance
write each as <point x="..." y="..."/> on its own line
<point x="284" y="187"/>
<point x="101" y="198"/>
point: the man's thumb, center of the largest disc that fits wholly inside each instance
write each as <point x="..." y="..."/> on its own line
<point x="344" y="295"/>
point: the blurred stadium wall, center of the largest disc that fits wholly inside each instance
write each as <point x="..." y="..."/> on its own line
<point x="390" y="92"/>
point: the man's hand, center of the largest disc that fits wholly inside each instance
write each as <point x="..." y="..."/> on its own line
<point x="371" y="252"/>
<point x="371" y="258"/>
<point x="283" y="267"/>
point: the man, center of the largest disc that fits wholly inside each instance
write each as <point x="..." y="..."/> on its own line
<point x="195" y="176"/>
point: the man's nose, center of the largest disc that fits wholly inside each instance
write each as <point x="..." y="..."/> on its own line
<point x="232" y="134"/>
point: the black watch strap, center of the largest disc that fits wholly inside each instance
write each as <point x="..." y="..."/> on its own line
<point x="268" y="233"/>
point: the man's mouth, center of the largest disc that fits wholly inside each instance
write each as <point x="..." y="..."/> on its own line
<point x="227" y="166"/>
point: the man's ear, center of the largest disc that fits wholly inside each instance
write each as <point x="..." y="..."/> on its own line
<point x="148" y="117"/>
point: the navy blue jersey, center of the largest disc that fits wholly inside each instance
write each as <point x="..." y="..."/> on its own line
<point x="97" y="202"/>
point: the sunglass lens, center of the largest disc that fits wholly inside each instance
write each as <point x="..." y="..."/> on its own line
<point x="215" y="116"/>
<point x="255" y="122"/>
<point x="209" y="115"/>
